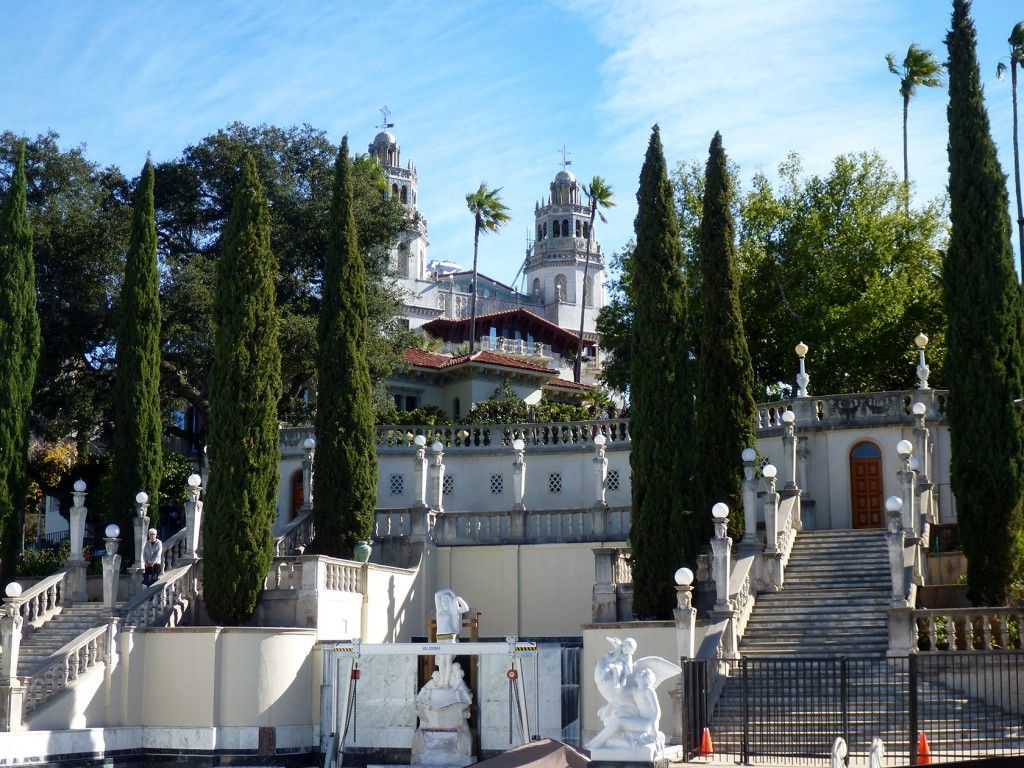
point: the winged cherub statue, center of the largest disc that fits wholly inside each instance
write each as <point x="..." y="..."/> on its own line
<point x="632" y="713"/>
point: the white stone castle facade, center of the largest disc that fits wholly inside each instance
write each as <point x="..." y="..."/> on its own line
<point x="563" y="267"/>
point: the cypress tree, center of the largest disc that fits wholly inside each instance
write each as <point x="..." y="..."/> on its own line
<point x="345" y="482"/>
<point x="19" y="353"/>
<point x="137" y="458"/>
<point x="245" y="386"/>
<point x="984" y="364"/>
<point x="725" y="375"/>
<point x="661" y="396"/>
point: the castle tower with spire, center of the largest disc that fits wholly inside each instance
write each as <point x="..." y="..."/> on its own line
<point x="563" y="248"/>
<point x="409" y="258"/>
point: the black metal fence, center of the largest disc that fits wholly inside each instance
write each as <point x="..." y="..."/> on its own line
<point x="957" y="706"/>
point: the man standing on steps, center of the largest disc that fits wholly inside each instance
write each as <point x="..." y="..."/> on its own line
<point x="152" y="558"/>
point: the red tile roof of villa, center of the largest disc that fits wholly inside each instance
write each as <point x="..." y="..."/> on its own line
<point x="567" y="384"/>
<point x="423" y="359"/>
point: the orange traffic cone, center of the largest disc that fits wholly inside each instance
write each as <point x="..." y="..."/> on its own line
<point x="706" y="747"/>
<point x="924" y="752"/>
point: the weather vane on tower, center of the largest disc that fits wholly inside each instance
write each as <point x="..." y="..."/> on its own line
<point x="386" y="113"/>
<point x="566" y="162"/>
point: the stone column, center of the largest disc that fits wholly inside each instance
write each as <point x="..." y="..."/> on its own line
<point x="721" y="546"/>
<point x="193" y="519"/>
<point x="600" y="462"/>
<point x="772" y="556"/>
<point x="749" y="456"/>
<point x="789" y="451"/>
<point x="111" y="567"/>
<point x="895" y="542"/>
<point x="75" y="561"/>
<point x="802" y="454"/>
<point x="437" y="477"/>
<point x="603" y="605"/>
<point x="685" y="615"/>
<point x="309" y="445"/>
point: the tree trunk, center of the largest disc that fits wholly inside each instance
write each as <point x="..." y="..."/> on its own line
<point x="577" y="369"/>
<point x="472" y="300"/>
<point x="1016" y="165"/>
<point x="906" y="168"/>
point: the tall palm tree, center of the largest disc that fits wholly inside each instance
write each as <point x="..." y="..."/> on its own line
<point x="600" y="195"/>
<point x="920" y="68"/>
<point x="489" y="214"/>
<point x="1016" y="41"/>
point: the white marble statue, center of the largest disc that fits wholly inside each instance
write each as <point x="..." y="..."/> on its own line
<point x="442" y="705"/>
<point x="442" y="736"/>
<point x="632" y="714"/>
<point x="449" y="608"/>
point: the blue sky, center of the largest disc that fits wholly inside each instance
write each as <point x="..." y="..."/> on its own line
<point x="489" y="91"/>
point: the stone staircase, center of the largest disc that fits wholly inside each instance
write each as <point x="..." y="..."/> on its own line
<point x="40" y="644"/>
<point x="836" y="590"/>
<point x="833" y="607"/>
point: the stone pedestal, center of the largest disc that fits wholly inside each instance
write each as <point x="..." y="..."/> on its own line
<point x="442" y="737"/>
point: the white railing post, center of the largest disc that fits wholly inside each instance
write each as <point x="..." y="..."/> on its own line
<point x="111" y="567"/>
<point x="12" y="692"/>
<point x="789" y="450"/>
<point x="721" y="546"/>
<point x="193" y="519"/>
<point x="11" y="622"/>
<point x="140" y="524"/>
<point x="685" y="615"/>
<point x="907" y="480"/>
<point x="75" y="562"/>
<point x="437" y="477"/>
<point x="419" y="471"/>
<point x="518" y="475"/>
<point x="749" y="456"/>
<point x="772" y="555"/>
<point x="309" y="445"/>
<point x="600" y="462"/>
<point x="895" y="539"/>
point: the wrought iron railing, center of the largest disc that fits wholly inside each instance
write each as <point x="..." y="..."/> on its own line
<point x="791" y="710"/>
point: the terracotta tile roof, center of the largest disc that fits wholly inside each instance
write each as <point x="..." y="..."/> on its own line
<point x="422" y="359"/>
<point x="567" y="384"/>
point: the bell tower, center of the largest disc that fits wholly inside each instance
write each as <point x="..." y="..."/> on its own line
<point x="409" y="258"/>
<point x="564" y="248"/>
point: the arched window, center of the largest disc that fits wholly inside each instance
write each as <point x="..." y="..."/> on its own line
<point x="555" y="231"/>
<point x="545" y="230"/>
<point x="560" y="288"/>
<point x="566" y="232"/>
<point x="586" y="229"/>
<point x="579" y="227"/>
<point x="536" y="287"/>
<point x="394" y="190"/>
<point x="588" y="292"/>
<point x="405" y="194"/>
<point x="540" y="233"/>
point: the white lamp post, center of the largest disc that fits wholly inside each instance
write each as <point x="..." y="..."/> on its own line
<point x="802" y="379"/>
<point x="922" y="367"/>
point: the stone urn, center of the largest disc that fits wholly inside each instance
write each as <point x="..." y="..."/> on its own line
<point x="362" y="550"/>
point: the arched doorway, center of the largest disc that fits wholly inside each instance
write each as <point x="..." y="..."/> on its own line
<point x="297" y="494"/>
<point x="866" y="485"/>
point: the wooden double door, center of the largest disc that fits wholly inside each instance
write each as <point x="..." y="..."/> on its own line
<point x="866" y="486"/>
